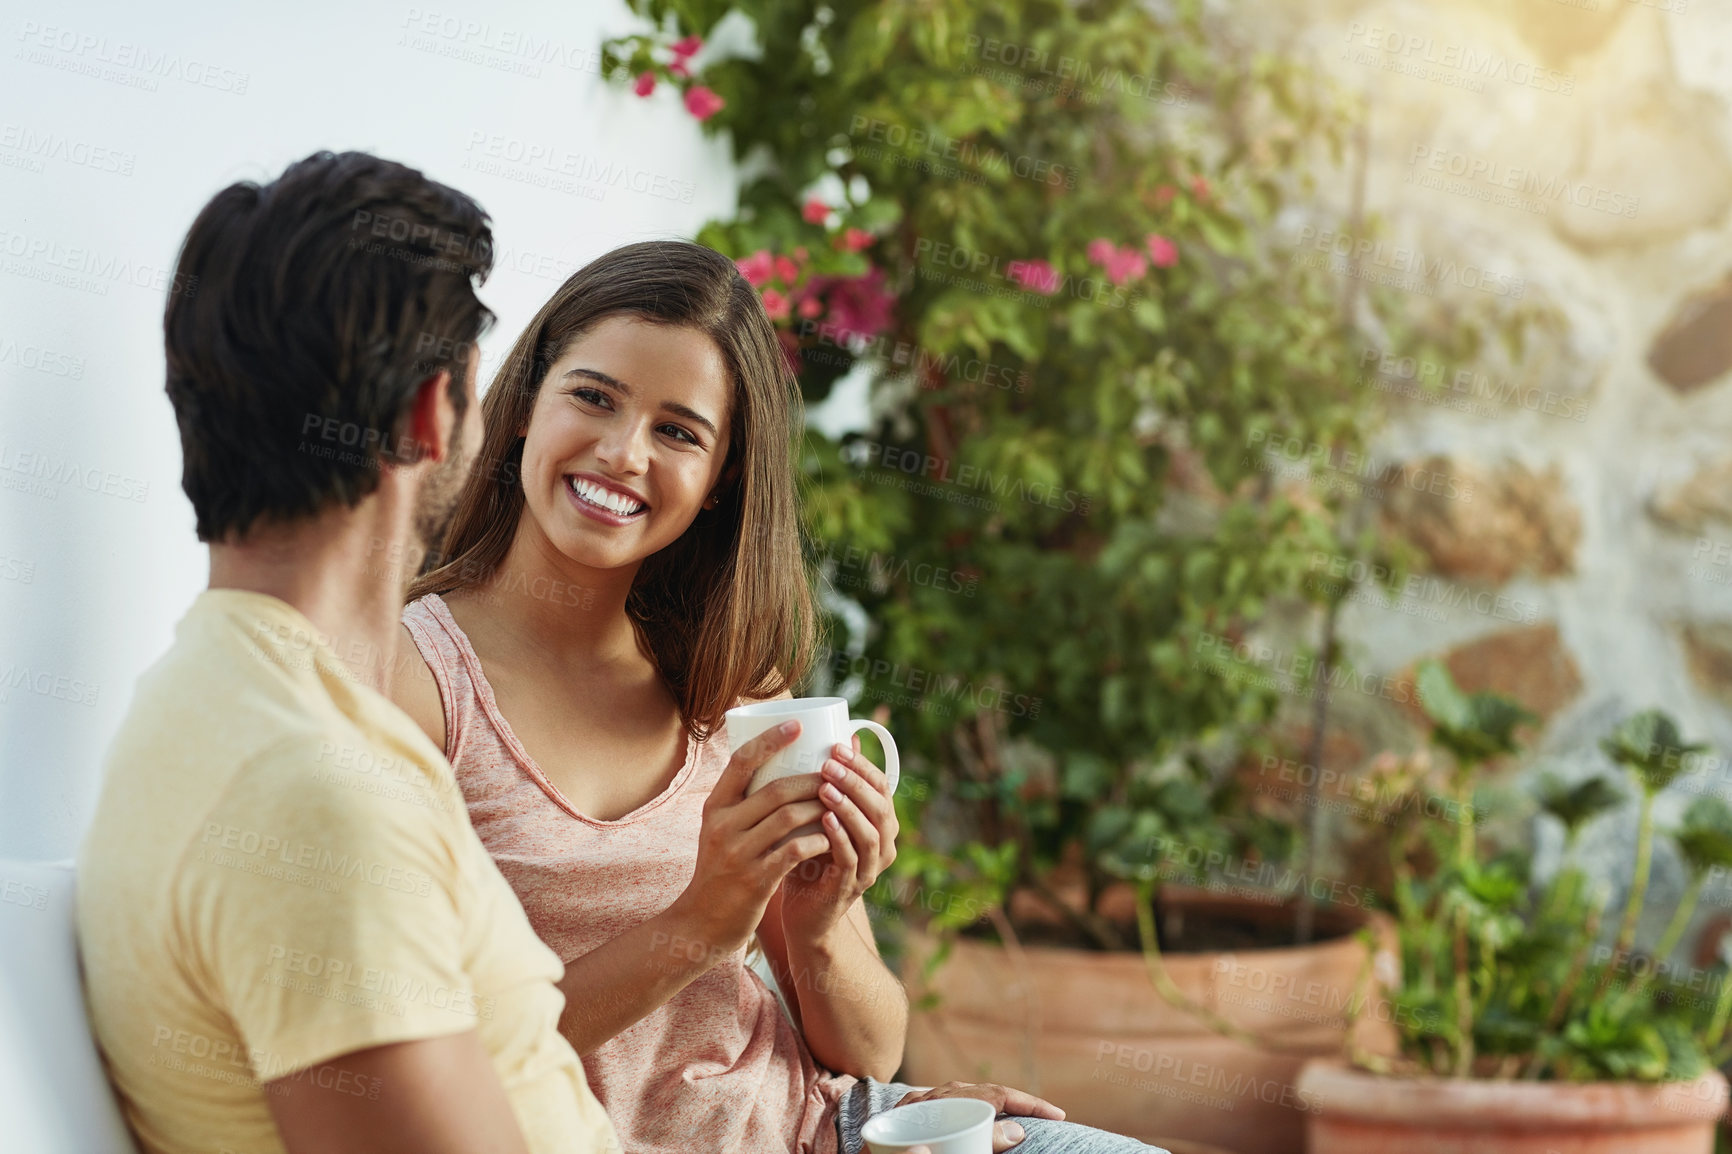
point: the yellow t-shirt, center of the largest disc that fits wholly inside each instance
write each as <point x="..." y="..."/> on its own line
<point x="281" y="870"/>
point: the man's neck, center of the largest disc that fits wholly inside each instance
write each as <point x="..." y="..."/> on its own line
<point x="345" y="570"/>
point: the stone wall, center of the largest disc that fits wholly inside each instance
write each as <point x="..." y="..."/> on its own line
<point x="1573" y="158"/>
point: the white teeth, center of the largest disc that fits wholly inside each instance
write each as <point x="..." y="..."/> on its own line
<point x="605" y="498"/>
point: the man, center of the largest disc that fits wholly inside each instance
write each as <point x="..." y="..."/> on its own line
<point x="292" y="938"/>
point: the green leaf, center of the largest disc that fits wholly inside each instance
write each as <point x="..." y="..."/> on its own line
<point x="1650" y="747"/>
<point x="1474" y="728"/>
<point x="1579" y="804"/>
<point x="1705" y="837"/>
<point x="1150" y="315"/>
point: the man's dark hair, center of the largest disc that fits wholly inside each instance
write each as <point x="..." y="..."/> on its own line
<point x="313" y="307"/>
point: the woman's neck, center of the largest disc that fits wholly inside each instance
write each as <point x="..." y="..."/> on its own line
<point x="540" y="596"/>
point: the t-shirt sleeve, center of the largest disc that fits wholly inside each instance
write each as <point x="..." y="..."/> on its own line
<point x="325" y="919"/>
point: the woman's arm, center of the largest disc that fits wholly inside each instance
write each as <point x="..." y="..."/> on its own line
<point x="621" y="982"/>
<point x="851" y="1009"/>
<point x="741" y="862"/>
<point x="744" y="852"/>
<point x="848" y="1005"/>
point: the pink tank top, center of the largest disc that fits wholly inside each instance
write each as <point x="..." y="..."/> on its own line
<point x="718" y="1066"/>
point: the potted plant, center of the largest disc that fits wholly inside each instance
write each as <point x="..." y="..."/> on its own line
<point x="1524" y="1031"/>
<point x="1110" y="423"/>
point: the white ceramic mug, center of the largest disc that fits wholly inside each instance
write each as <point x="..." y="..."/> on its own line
<point x="824" y="722"/>
<point x="942" y="1125"/>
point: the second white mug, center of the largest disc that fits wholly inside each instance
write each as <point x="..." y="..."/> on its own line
<point x="942" y="1125"/>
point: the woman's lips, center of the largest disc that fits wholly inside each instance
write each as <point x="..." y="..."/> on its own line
<point x="587" y="497"/>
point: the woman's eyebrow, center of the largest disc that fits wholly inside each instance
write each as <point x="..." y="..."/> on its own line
<point x="598" y="375"/>
<point x="675" y="407"/>
<point x="692" y="415"/>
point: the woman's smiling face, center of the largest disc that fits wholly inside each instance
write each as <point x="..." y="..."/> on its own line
<point x="627" y="440"/>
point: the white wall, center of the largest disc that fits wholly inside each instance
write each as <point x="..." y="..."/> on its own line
<point x="116" y="125"/>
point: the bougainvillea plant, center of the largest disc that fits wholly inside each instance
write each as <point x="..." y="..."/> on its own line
<point x="1040" y="234"/>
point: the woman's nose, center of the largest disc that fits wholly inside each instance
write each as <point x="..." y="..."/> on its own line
<point x="625" y="448"/>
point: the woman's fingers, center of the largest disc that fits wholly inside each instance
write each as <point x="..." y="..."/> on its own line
<point x="842" y="846"/>
<point x="862" y="781"/>
<point x="751" y="810"/>
<point x="731" y="786"/>
<point x="851" y="758"/>
<point x="783" y="861"/>
<point x="760" y="839"/>
<point x="869" y="798"/>
<point x="854" y="827"/>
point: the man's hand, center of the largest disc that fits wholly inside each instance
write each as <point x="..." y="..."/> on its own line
<point x="1004" y="1099"/>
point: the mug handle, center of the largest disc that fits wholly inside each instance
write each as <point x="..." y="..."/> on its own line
<point x="893" y="766"/>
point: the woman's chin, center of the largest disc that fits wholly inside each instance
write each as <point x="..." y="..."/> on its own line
<point x="580" y="547"/>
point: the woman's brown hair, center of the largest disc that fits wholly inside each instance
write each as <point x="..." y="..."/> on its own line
<point x="726" y="611"/>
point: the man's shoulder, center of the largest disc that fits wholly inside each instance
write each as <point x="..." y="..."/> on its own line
<point x="318" y="816"/>
<point x="343" y="779"/>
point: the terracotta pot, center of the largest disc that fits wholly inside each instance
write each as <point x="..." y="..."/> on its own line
<point x="1089" y="1031"/>
<point x="1361" y="1113"/>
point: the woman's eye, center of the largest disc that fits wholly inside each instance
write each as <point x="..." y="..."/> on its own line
<point x="590" y="396"/>
<point x="679" y="434"/>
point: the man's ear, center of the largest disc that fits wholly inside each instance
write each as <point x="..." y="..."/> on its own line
<point x="432" y="420"/>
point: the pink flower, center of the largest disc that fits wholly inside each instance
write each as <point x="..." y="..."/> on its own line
<point x="815" y="211"/>
<point x="702" y="103"/>
<point x="1038" y="275"/>
<point x="757" y="268"/>
<point x="1121" y="264"/>
<point x="646" y="83"/>
<point x="1126" y="264"/>
<point x="855" y="239"/>
<point x="1200" y="188"/>
<point x="787" y="269"/>
<point x="687" y="47"/>
<point x="859" y="305"/>
<point x="775" y="305"/>
<point x="1164" y="195"/>
<point x="679" y="68"/>
<point x="809" y="307"/>
<point x="801" y="252"/>
<point x="1162" y="251"/>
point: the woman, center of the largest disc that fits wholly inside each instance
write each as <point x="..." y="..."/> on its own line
<point x="614" y="579"/>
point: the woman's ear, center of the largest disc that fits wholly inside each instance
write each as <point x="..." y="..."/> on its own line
<point x="729" y="477"/>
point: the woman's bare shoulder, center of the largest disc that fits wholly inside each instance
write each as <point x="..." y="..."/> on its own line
<point x="414" y="689"/>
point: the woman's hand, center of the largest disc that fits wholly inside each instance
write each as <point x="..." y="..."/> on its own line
<point x="744" y="850"/>
<point x="859" y="821"/>
<point x="1005" y="1134"/>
